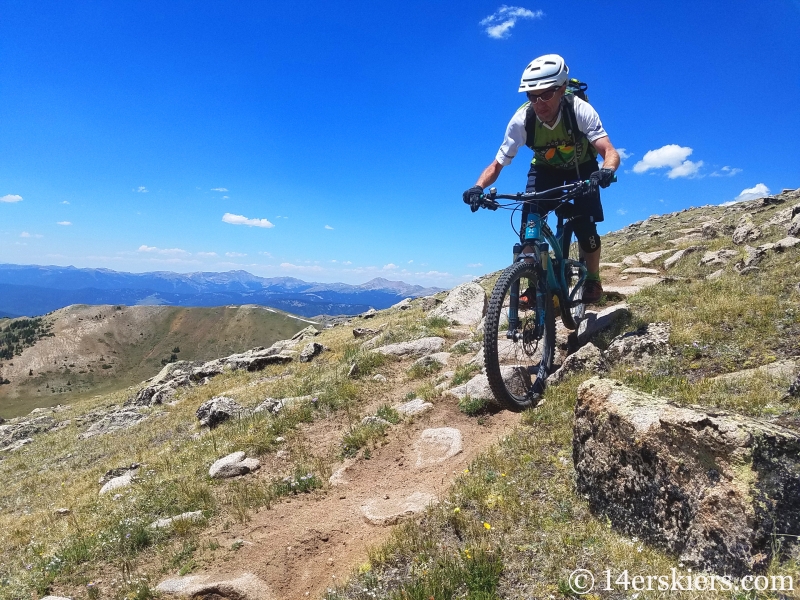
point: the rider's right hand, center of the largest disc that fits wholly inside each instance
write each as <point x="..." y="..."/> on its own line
<point x="473" y="197"/>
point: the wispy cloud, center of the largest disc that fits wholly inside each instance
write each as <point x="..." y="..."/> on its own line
<point x="389" y="267"/>
<point x="207" y="254"/>
<point x="759" y="190"/>
<point x="234" y="254"/>
<point x="11" y="198"/>
<point x="293" y="267"/>
<point x="622" y="211"/>
<point x="498" y="25"/>
<point x="474" y="265"/>
<point x="219" y="189"/>
<point x="167" y="251"/>
<point x="65" y="202"/>
<point x="64" y="223"/>
<point x="623" y="154"/>
<point x="726" y="172"/>
<point x="242" y="220"/>
<point x="328" y="227"/>
<point x="141" y="190"/>
<point x="25" y="234"/>
<point x="671" y="156"/>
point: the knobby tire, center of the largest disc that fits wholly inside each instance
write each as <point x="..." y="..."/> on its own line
<point x="526" y="368"/>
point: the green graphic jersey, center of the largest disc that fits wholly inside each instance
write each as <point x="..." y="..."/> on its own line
<point x="555" y="147"/>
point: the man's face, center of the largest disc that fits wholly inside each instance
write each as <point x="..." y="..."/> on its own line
<point x="546" y="102"/>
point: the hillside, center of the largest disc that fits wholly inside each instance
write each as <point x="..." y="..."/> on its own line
<point x="33" y="290"/>
<point x="95" y="349"/>
<point x="368" y="462"/>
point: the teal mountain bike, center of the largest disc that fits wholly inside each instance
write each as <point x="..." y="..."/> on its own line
<point x="546" y="277"/>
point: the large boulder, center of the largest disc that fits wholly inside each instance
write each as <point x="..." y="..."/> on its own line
<point x="420" y="347"/>
<point x="642" y="347"/>
<point x="593" y="323"/>
<point x="464" y="305"/>
<point x="587" y="358"/>
<point x="233" y="465"/>
<point x="711" y="486"/>
<point x="218" y="410"/>
<point x="114" y="421"/>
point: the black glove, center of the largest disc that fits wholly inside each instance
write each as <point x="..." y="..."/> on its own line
<point x="473" y="197"/>
<point x="602" y="178"/>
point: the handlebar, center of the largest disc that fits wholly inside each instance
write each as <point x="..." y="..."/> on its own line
<point x="567" y="192"/>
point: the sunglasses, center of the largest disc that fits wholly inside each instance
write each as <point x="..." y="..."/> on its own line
<point x="544" y="96"/>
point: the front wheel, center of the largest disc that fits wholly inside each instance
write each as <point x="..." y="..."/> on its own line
<point x="519" y="337"/>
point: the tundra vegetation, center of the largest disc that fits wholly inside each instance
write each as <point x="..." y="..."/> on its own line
<point x="512" y="524"/>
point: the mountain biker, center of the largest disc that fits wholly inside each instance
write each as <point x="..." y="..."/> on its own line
<point x="559" y="158"/>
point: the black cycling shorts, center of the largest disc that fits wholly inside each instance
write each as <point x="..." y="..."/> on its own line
<point x="587" y="206"/>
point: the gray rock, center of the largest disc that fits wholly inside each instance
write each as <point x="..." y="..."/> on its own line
<point x="218" y="410"/>
<point x="672" y="260"/>
<point x="641" y="347"/>
<point x="369" y="314"/>
<point x="640" y="271"/>
<point x="647" y="258"/>
<point x="464" y="347"/>
<point x="715" y="275"/>
<point x="274" y="406"/>
<point x="420" y="347"/>
<point x="478" y="387"/>
<point x="114" y="421"/>
<point x="435" y="446"/>
<point x="785" y="244"/>
<point x="746" y="230"/>
<point x="404" y="304"/>
<point x="310" y="351"/>
<point x="170" y="521"/>
<point x="417" y="406"/>
<point x="711" y="486"/>
<point x="780" y="369"/>
<point x="56" y="598"/>
<point x="360" y="332"/>
<point x="631" y="261"/>
<point x="233" y="465"/>
<point x="389" y="511"/>
<point x="439" y="359"/>
<point x="23" y="429"/>
<point x="304" y="334"/>
<point x="117" y="483"/>
<point x="464" y="305"/>
<point x="479" y="359"/>
<point x="593" y="323"/>
<point x="373" y="421"/>
<point x="794" y="389"/>
<point x="243" y="587"/>
<point x="718" y="258"/>
<point x="428" y="303"/>
<point x="117" y="472"/>
<point x="794" y="228"/>
<point x="379" y="378"/>
<point x="587" y="358"/>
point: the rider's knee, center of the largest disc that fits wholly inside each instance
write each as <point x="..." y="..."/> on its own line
<point x="590" y="243"/>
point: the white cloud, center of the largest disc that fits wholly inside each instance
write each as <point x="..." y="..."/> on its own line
<point x="292" y="267"/>
<point x="389" y="267"/>
<point x="347" y="262"/>
<point x="11" y="198"/>
<point x="757" y="191"/>
<point x="25" y="234"/>
<point x="267" y="254"/>
<point x="64" y="223"/>
<point x="624" y="154"/>
<point x="328" y="227"/>
<point x="219" y="189"/>
<point x="498" y="25"/>
<point x="474" y="265"/>
<point x="141" y="189"/>
<point x="242" y="220"/>
<point x="411" y="261"/>
<point x="226" y="197"/>
<point x="65" y="202"/>
<point x="168" y="251"/>
<point x="726" y="172"/>
<point x="670" y="156"/>
<point x="207" y="254"/>
<point x="622" y="211"/>
<point x="234" y="254"/>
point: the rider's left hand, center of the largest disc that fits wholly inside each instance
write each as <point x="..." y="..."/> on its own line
<point x="602" y="178"/>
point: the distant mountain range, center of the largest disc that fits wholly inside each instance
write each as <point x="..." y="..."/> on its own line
<point x="33" y="290"/>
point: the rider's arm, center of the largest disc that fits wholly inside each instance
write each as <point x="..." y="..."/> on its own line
<point x="490" y="174"/>
<point x="606" y="149"/>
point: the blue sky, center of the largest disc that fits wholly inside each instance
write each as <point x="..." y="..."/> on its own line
<point x="331" y="141"/>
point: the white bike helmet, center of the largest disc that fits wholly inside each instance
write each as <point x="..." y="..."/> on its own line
<point x="544" y="72"/>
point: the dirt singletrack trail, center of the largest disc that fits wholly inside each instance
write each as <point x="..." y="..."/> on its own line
<point x="310" y="542"/>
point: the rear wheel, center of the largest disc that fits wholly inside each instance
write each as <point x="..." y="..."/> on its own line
<point x="519" y="351"/>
